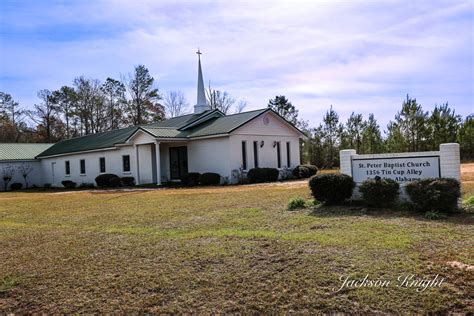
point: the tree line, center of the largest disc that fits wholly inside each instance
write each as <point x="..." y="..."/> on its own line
<point x="91" y="106"/>
<point x="412" y="129"/>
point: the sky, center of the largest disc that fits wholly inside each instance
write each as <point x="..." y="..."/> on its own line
<point x="361" y="56"/>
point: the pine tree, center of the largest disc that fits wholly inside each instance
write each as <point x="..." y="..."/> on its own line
<point x="284" y="108"/>
<point x="443" y="125"/>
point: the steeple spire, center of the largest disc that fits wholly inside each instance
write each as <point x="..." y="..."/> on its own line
<point x="201" y="104"/>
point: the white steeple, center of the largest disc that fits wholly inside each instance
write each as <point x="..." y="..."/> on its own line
<point x="201" y="104"/>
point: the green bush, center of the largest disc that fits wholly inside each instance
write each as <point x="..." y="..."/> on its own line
<point x="127" y="181"/>
<point x="115" y="182"/>
<point x="296" y="203"/>
<point x="191" y="179"/>
<point x="210" y="178"/>
<point x="434" y="215"/>
<point x="331" y="188"/>
<point x="16" y="186"/>
<point x="434" y="194"/>
<point x="304" y="171"/>
<point x="103" y="180"/>
<point x="47" y="185"/>
<point x="68" y="184"/>
<point x="379" y="192"/>
<point x="259" y="175"/>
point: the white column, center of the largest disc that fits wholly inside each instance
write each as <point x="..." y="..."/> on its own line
<point x="450" y="161"/>
<point x="158" y="163"/>
<point x="345" y="161"/>
<point x="137" y="163"/>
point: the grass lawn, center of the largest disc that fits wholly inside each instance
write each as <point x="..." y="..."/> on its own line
<point x="226" y="249"/>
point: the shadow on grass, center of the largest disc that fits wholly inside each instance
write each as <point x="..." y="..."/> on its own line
<point x="350" y="210"/>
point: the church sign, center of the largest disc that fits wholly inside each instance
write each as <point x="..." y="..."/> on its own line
<point x="402" y="169"/>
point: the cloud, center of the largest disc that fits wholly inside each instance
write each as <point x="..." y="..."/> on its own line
<point x="359" y="56"/>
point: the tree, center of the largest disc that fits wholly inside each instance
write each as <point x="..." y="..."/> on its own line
<point x="412" y="124"/>
<point x="241" y="105"/>
<point x="44" y="113"/>
<point x="65" y="100"/>
<point x="143" y="106"/>
<point x="284" y="108"/>
<point x="331" y="133"/>
<point x="443" y="125"/>
<point x="220" y="100"/>
<point x="175" y="103"/>
<point x="372" y="142"/>
<point x="7" y="175"/>
<point x="10" y="118"/>
<point x="466" y="138"/>
<point x="25" y="169"/>
<point x="114" y="93"/>
<point x="354" y="129"/>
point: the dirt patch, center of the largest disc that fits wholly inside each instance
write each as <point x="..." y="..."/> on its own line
<point x="467" y="172"/>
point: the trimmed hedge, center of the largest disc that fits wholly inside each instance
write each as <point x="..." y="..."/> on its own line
<point x="379" y="192"/>
<point x="259" y="175"/>
<point x="210" y="178"/>
<point x="191" y="179"/>
<point x="331" y="188"/>
<point x="115" y="182"/>
<point x="16" y="186"/>
<point x="304" y="171"/>
<point x="434" y="194"/>
<point x="127" y="181"/>
<point x="68" y="184"/>
<point x="103" y="180"/>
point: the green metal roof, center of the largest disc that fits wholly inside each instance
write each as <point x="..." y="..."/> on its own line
<point x="179" y="127"/>
<point x="21" y="151"/>
<point x="90" y="142"/>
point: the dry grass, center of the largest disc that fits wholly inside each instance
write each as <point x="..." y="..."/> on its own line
<point x="227" y="249"/>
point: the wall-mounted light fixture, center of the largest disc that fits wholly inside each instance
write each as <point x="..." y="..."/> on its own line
<point x="274" y="143"/>
<point x="262" y="143"/>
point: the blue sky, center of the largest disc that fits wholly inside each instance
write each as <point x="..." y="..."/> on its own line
<point x="362" y="56"/>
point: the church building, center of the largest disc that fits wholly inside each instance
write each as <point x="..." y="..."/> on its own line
<point x="206" y="140"/>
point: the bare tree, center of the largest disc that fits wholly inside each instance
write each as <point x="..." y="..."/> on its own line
<point x="7" y="175"/>
<point x="175" y="103"/>
<point x="241" y="105"/>
<point x="222" y="101"/>
<point x="25" y="169"/>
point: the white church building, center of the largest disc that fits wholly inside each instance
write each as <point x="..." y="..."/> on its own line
<point x="204" y="141"/>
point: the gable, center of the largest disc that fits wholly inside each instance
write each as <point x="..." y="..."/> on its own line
<point x="269" y="124"/>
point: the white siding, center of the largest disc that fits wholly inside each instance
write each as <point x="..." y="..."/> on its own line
<point x="34" y="177"/>
<point x="210" y="155"/>
<point x="113" y="164"/>
<point x="274" y="131"/>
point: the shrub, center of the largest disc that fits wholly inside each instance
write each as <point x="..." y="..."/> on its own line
<point x="331" y="188"/>
<point x="127" y="181"/>
<point x="379" y="192"/>
<point x="191" y="179"/>
<point x="304" y="171"/>
<point x="87" y="185"/>
<point x="114" y="182"/>
<point x="434" y="194"/>
<point x="16" y="186"/>
<point x="210" y="178"/>
<point x="103" y="180"/>
<point x="434" y="215"/>
<point x="259" y="175"/>
<point x="47" y="185"/>
<point x="68" y="184"/>
<point x="296" y="203"/>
